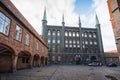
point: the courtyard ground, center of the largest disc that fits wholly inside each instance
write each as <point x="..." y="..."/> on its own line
<point x="65" y="72"/>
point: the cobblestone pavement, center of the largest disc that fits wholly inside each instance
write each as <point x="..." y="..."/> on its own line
<point x="64" y="72"/>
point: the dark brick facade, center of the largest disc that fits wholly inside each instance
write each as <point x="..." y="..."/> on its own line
<point x="71" y="45"/>
<point x="16" y="54"/>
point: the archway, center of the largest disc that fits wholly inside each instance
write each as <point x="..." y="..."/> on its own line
<point x="42" y="60"/>
<point x="46" y="61"/>
<point x="36" y="61"/>
<point x="23" y="60"/>
<point x="6" y="55"/>
<point x="93" y="58"/>
<point x="78" y="59"/>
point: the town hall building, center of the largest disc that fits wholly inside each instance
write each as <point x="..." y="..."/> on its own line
<point x="73" y="45"/>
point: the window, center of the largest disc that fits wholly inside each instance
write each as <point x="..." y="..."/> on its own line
<point x="48" y="40"/>
<point x="18" y="33"/>
<point x="74" y="46"/>
<point x="70" y="46"/>
<point x="66" y="41"/>
<point x="82" y="35"/>
<point x="78" y="46"/>
<point x="53" y="33"/>
<point x="86" y="42"/>
<point x="43" y="49"/>
<point x="66" y="34"/>
<point x="85" y="34"/>
<point x="95" y="42"/>
<point x="94" y="35"/>
<point x="66" y="45"/>
<point x="78" y="42"/>
<point x="73" y="34"/>
<point x="4" y="24"/>
<point x="70" y="41"/>
<point x="69" y="33"/>
<point x="49" y="32"/>
<point x="27" y="39"/>
<point x="91" y="42"/>
<point x="53" y="41"/>
<point x="37" y="47"/>
<point x="90" y="35"/>
<point x="58" y="33"/>
<point x="58" y="41"/>
<point x="74" y="41"/>
<point x="77" y="34"/>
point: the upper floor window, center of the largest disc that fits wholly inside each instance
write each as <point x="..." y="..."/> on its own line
<point x="18" y="33"/>
<point x="90" y="35"/>
<point x="53" y="41"/>
<point x="48" y="40"/>
<point x="49" y="32"/>
<point x="27" y="39"/>
<point x="73" y="34"/>
<point x="58" y="41"/>
<point x="58" y="33"/>
<point x="94" y="35"/>
<point x="53" y="33"/>
<point x="69" y="33"/>
<point x="37" y="47"/>
<point x="77" y="34"/>
<point x="4" y="24"/>
<point x="85" y="34"/>
<point x="66" y="33"/>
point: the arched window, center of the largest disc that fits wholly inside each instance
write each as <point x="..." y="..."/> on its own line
<point x="66" y="33"/>
<point x="69" y="33"/>
<point x="77" y="34"/>
<point x="58" y="33"/>
<point x="49" y="32"/>
<point x="53" y="33"/>
<point x="94" y="35"/>
<point x="73" y="34"/>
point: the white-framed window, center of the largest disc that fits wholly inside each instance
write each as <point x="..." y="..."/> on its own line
<point x="91" y="42"/>
<point x="48" y="40"/>
<point x="70" y="34"/>
<point x="90" y="35"/>
<point x="4" y="24"/>
<point x="66" y="33"/>
<point x="27" y="39"/>
<point x="66" y="41"/>
<point x="74" y="46"/>
<point x="73" y="34"/>
<point x="94" y="35"/>
<point x="85" y="34"/>
<point x="70" y="46"/>
<point x="18" y="33"/>
<point x="95" y="42"/>
<point x="86" y="42"/>
<point x="37" y="46"/>
<point x="53" y="33"/>
<point x="70" y="41"/>
<point x="77" y="34"/>
<point x="74" y="41"/>
<point x="53" y="41"/>
<point x="66" y="45"/>
<point x="58" y="41"/>
<point x="78" y="42"/>
<point x="58" y="33"/>
<point x="49" y="32"/>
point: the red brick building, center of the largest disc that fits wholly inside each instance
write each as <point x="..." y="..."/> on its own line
<point x="20" y="45"/>
<point x="114" y="10"/>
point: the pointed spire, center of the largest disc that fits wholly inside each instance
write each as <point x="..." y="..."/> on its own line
<point x="63" y="23"/>
<point x="79" y="20"/>
<point x="44" y="16"/>
<point x="97" y="21"/>
<point x="63" y="18"/>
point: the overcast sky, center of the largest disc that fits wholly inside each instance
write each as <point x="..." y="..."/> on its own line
<point x="33" y="10"/>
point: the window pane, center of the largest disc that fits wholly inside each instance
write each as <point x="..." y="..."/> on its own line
<point x="4" y="24"/>
<point x="18" y="33"/>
